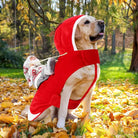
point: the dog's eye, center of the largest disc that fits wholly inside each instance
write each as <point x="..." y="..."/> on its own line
<point x="87" y="22"/>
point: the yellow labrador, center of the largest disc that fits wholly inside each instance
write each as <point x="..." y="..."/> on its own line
<point x="88" y="32"/>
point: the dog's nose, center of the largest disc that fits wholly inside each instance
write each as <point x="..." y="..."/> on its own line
<point x="101" y="24"/>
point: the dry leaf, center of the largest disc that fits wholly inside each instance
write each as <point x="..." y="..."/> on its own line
<point x="135" y="117"/>
<point x="6" y="118"/>
<point x="113" y="129"/>
<point x="4" y="132"/>
<point x="35" y="124"/>
<point x="61" y="134"/>
<point x="132" y="113"/>
<point x="83" y="115"/>
<point x="23" y="135"/>
<point x="111" y="116"/>
<point x="31" y="129"/>
<point x="89" y="128"/>
<point x="118" y="116"/>
<point x="7" y="104"/>
<point x="73" y="127"/>
<point x="128" y="130"/>
<point x="13" y="129"/>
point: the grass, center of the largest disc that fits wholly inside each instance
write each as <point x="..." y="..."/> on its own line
<point x="11" y="73"/>
<point x="113" y="68"/>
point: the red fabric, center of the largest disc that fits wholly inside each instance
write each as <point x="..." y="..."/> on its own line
<point x="63" y="35"/>
<point x="48" y="93"/>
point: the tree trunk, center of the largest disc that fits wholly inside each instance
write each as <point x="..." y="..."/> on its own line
<point x="106" y="36"/>
<point x="124" y="34"/>
<point x="62" y="8"/>
<point x="134" y="61"/>
<point x="113" y="52"/>
<point x="78" y="8"/>
<point x="72" y="5"/>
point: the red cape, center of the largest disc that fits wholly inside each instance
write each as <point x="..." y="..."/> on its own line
<point x="48" y="94"/>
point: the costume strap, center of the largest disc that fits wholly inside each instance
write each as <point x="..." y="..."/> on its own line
<point x="53" y="57"/>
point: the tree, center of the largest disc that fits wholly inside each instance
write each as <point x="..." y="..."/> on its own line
<point x="134" y="61"/>
<point x="62" y="9"/>
<point x="106" y="23"/>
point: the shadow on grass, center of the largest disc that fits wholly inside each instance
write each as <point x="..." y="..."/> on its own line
<point x="115" y="67"/>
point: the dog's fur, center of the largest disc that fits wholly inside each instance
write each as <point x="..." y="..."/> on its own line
<point x="78" y="83"/>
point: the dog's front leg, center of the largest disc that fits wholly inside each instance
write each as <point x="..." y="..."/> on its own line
<point x="62" y="113"/>
<point x="87" y="103"/>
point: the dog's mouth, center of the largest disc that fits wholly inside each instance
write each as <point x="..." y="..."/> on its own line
<point x="97" y="37"/>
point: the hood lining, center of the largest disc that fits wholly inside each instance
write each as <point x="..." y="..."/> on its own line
<point x="74" y="29"/>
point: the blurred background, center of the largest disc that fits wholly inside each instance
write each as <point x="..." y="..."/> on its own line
<point x="27" y="27"/>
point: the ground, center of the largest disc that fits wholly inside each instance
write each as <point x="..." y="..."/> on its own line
<point x="114" y="104"/>
<point x="114" y="113"/>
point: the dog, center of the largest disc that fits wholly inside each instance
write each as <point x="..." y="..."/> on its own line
<point x="87" y="32"/>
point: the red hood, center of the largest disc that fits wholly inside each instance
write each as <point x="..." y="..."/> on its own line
<point x="64" y="35"/>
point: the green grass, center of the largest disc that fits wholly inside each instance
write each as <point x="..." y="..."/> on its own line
<point x="11" y="73"/>
<point x="113" y="68"/>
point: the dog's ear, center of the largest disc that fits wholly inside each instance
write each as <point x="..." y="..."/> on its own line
<point x="77" y="33"/>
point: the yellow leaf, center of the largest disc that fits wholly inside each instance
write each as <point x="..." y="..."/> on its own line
<point x="61" y="134"/>
<point x="48" y="15"/>
<point x="28" y="98"/>
<point x="100" y="131"/>
<point x="38" y="38"/>
<point x="6" y="118"/>
<point x="6" y="104"/>
<point x="110" y="2"/>
<point x="83" y="115"/>
<point x="128" y="130"/>
<point x="36" y="130"/>
<point x="98" y="1"/>
<point x="89" y="128"/>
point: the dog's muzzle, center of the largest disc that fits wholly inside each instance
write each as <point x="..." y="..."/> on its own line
<point x="100" y="34"/>
<point x="101" y="25"/>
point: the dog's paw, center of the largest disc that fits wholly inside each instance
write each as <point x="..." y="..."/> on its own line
<point x="61" y="124"/>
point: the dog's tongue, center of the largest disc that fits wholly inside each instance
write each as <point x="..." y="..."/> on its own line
<point x="101" y="33"/>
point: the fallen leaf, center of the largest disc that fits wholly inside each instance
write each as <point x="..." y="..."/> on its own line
<point x="6" y="104"/>
<point x="111" y="116"/>
<point x="118" y="116"/>
<point x="113" y="130"/>
<point x="128" y="130"/>
<point x="13" y="129"/>
<point x="6" y="118"/>
<point x="73" y="128"/>
<point x="89" y="128"/>
<point x="132" y="113"/>
<point x="61" y="134"/>
<point x="31" y="129"/>
<point x="135" y="117"/>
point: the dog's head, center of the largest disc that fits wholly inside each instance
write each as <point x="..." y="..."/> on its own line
<point x="78" y="33"/>
<point x="89" y="31"/>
